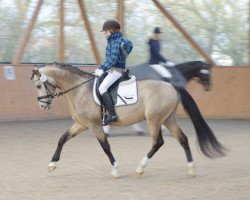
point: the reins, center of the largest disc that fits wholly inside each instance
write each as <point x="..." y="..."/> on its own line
<point x="62" y="93"/>
<point x="51" y="96"/>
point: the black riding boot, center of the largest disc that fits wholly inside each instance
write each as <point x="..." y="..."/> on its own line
<point x="112" y="117"/>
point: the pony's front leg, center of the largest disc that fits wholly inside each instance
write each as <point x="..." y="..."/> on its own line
<point x="102" y="138"/>
<point x="72" y="132"/>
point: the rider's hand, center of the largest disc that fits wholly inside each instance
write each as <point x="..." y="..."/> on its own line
<point x="99" y="72"/>
<point x="170" y="64"/>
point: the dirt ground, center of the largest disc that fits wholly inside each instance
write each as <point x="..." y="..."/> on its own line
<point x="84" y="170"/>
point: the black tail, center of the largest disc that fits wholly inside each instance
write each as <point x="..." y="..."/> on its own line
<point x="208" y="143"/>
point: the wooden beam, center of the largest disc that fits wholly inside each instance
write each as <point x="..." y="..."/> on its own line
<point x="25" y="38"/>
<point x="61" y="41"/>
<point x="183" y="32"/>
<point x="249" y="33"/>
<point x="120" y="14"/>
<point x="90" y="33"/>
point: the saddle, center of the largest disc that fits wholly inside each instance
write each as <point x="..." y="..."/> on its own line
<point x="159" y="72"/>
<point x="123" y="91"/>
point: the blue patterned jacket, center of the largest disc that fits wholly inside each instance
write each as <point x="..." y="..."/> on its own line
<point x="114" y="57"/>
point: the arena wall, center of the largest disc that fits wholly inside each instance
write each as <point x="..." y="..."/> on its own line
<point x="229" y="97"/>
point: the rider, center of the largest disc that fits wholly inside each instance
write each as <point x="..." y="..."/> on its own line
<point x="154" y="49"/>
<point x="115" y="64"/>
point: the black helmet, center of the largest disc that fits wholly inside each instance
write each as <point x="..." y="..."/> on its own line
<point x="111" y="24"/>
<point x="157" y="30"/>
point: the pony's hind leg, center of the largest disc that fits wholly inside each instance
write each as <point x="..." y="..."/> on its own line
<point x="155" y="131"/>
<point x="177" y="133"/>
<point x="72" y="132"/>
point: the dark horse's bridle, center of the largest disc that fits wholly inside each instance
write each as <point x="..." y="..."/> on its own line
<point x="50" y="94"/>
<point x="203" y="71"/>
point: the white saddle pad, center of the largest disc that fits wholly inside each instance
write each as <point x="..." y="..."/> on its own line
<point x="161" y="70"/>
<point x="127" y="91"/>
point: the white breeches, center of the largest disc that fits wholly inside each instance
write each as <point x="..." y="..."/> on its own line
<point x="112" y="77"/>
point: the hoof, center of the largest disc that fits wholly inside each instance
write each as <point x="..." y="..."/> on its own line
<point x="51" y="167"/>
<point x="191" y="173"/>
<point x="140" y="133"/>
<point x="139" y="171"/>
<point x="114" y="174"/>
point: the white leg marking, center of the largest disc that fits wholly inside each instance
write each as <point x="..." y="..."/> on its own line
<point x="52" y="166"/>
<point x="191" y="169"/>
<point x="114" y="171"/>
<point x="142" y="165"/>
<point x="106" y="129"/>
<point x="137" y="128"/>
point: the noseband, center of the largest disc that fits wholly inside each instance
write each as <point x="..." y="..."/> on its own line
<point x="45" y="82"/>
<point x="49" y="95"/>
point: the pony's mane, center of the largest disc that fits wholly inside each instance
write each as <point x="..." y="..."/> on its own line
<point x="69" y="68"/>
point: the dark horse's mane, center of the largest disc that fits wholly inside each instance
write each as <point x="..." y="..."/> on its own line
<point x="192" y="65"/>
<point x="68" y="67"/>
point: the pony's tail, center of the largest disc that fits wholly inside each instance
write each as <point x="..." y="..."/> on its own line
<point x="208" y="143"/>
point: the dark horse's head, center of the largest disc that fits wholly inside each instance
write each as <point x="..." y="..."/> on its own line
<point x="205" y="76"/>
<point x="197" y="69"/>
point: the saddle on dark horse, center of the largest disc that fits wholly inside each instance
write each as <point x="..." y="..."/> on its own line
<point x="159" y="72"/>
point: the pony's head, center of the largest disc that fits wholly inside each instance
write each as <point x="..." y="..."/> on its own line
<point x="45" y="86"/>
<point x="204" y="75"/>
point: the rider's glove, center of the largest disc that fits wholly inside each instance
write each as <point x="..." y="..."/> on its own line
<point x="99" y="72"/>
<point x="170" y="64"/>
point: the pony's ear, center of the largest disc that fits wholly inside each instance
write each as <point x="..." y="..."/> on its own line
<point x="36" y="67"/>
<point x="35" y="72"/>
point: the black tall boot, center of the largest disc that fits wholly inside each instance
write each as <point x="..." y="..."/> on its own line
<point x="112" y="117"/>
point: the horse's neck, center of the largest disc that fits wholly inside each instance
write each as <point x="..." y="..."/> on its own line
<point x="189" y="71"/>
<point x="66" y="80"/>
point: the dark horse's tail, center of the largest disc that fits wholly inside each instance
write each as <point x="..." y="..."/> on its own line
<point x="208" y="143"/>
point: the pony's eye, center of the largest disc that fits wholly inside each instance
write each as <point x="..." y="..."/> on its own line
<point x="38" y="87"/>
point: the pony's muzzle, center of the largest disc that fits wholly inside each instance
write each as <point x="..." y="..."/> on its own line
<point x="44" y="106"/>
<point x="207" y="87"/>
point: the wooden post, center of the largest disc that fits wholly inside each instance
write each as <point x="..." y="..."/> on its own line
<point x="120" y="14"/>
<point x="91" y="37"/>
<point x="61" y="41"/>
<point x="249" y="33"/>
<point x="25" y="38"/>
<point x="183" y="32"/>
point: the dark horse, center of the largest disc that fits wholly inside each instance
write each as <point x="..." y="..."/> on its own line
<point x="156" y="107"/>
<point x="181" y="74"/>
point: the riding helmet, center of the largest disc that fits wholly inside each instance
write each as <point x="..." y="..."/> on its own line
<point x="157" y="30"/>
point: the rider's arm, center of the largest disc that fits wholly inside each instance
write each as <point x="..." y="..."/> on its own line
<point x="113" y="58"/>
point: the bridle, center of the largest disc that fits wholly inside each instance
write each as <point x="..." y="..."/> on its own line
<point x="50" y="94"/>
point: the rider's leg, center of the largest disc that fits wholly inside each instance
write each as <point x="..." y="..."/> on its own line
<point x="112" y="117"/>
<point x="112" y="77"/>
